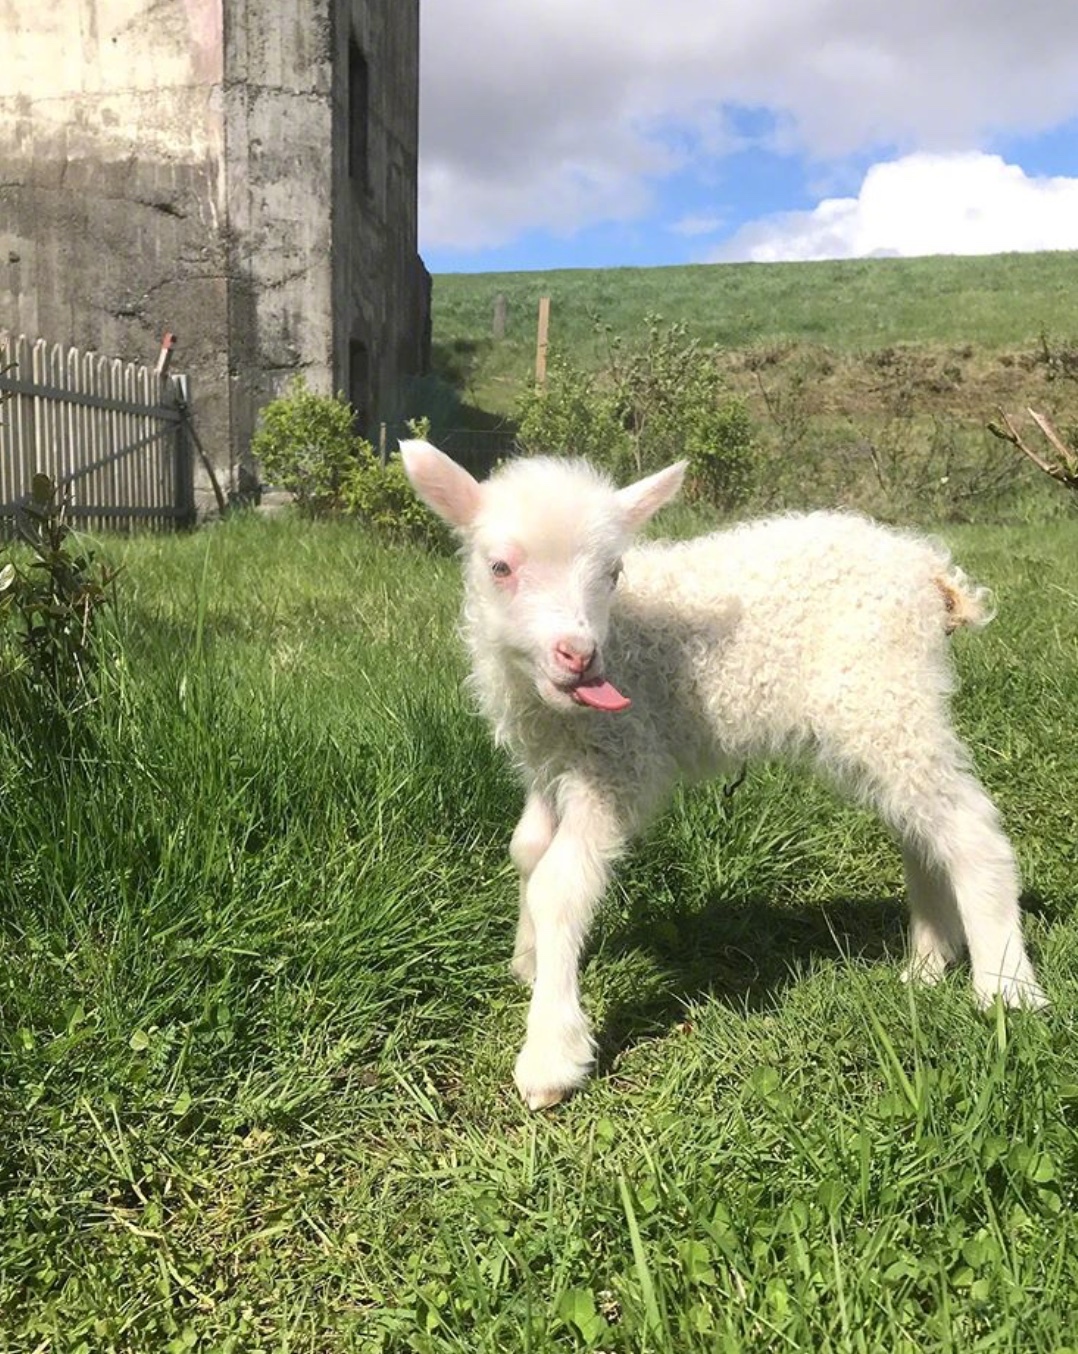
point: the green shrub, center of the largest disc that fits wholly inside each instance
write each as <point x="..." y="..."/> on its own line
<point x="51" y="606"/>
<point x="661" y="401"/>
<point x="382" y="496"/>
<point x="307" y="444"/>
<point x="577" y="414"/>
<point x="722" y="456"/>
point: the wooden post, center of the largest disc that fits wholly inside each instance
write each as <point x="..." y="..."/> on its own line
<point x="382" y="444"/>
<point x="501" y="311"/>
<point x="541" y="341"/>
<point x="164" y="357"/>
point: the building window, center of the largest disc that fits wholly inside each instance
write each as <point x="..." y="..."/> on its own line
<point x="359" y="384"/>
<point x="359" y="98"/>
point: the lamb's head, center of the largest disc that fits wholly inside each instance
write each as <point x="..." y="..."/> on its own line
<point x="543" y="544"/>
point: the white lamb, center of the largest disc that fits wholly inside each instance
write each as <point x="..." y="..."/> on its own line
<point x="822" y="638"/>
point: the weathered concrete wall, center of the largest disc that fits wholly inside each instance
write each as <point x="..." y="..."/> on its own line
<point x="375" y="223"/>
<point x="112" y="186"/>
<point x="320" y="261"/>
<point x="183" y="165"/>
<point x="278" y="92"/>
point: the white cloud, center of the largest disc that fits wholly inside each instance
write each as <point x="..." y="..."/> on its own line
<point x="697" y="225"/>
<point x="556" y="114"/>
<point x="923" y="204"/>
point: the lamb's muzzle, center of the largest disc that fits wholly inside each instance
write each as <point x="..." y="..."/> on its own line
<point x="774" y="638"/>
<point x="574" y="657"/>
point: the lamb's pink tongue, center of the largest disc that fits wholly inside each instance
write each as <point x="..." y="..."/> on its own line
<point x="600" y="695"/>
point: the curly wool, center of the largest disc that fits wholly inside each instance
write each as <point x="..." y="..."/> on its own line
<point x="821" y="637"/>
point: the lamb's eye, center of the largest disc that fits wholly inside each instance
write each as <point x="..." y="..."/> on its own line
<point x="615" y="574"/>
<point x="500" y="569"/>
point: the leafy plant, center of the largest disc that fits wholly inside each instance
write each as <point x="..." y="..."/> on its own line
<point x="653" y="403"/>
<point x="52" y="604"/>
<point x="575" y="413"/>
<point x="307" y="444"/>
<point x="382" y="496"/>
<point x="1058" y="357"/>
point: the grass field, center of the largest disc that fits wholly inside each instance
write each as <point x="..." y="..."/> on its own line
<point x="998" y="304"/>
<point x="1002" y="300"/>
<point x="870" y="382"/>
<point x="258" y="1030"/>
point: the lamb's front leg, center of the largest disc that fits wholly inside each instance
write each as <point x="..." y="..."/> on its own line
<point x="532" y="836"/>
<point x="561" y="896"/>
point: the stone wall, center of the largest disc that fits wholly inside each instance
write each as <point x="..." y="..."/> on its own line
<point x="375" y="213"/>
<point x="185" y="166"/>
<point x="112" y="185"/>
<point x="278" y="102"/>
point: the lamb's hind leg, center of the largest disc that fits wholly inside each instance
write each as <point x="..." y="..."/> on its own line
<point x="936" y="935"/>
<point x="532" y="836"/>
<point x="964" y="838"/>
<point x="962" y="873"/>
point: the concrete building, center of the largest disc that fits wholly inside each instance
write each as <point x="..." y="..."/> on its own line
<point x="241" y="173"/>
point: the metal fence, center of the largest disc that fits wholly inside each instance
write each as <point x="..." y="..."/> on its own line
<point x="478" y="450"/>
<point x="112" y="435"/>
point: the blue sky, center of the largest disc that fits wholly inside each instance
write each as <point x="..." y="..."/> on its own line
<point x="603" y="133"/>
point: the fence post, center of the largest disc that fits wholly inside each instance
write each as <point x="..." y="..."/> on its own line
<point x="501" y="312"/>
<point x="541" y="341"/>
<point x="184" y="458"/>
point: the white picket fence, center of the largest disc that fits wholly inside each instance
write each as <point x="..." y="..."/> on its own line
<point x="112" y="434"/>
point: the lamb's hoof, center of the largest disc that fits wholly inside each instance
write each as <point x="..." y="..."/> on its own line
<point x="522" y="967"/>
<point x="547" y="1072"/>
<point x="545" y="1100"/>
<point x="926" y="970"/>
<point x="1017" y="993"/>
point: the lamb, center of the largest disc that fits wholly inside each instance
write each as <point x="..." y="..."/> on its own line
<point x="820" y="637"/>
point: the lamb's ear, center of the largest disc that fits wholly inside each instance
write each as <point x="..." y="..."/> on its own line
<point x="642" y="500"/>
<point x="441" y="483"/>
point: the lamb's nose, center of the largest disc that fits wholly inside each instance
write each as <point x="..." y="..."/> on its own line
<point x="573" y="658"/>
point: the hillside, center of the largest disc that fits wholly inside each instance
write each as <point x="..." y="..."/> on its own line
<point x="869" y="381"/>
<point x="992" y="306"/>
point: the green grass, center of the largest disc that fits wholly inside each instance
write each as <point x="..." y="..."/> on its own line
<point x="869" y="382"/>
<point x="998" y="303"/>
<point x="257" y="1029"/>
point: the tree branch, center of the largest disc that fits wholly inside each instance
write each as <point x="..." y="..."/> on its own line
<point x="1065" y="470"/>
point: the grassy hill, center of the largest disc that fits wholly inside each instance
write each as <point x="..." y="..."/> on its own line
<point x="999" y="302"/>
<point x="901" y="360"/>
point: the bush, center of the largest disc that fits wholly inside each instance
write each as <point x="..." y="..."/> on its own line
<point x="574" y="414"/>
<point x="382" y="496"/>
<point x="662" y="401"/>
<point x="307" y="444"/>
<point x="723" y="457"/>
<point x="50" y="611"/>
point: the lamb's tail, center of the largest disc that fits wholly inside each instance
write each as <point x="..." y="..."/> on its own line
<point x="964" y="602"/>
